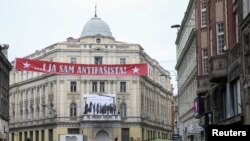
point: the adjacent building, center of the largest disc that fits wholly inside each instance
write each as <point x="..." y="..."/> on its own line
<point x="219" y="70"/>
<point x="243" y="52"/>
<point x="186" y="44"/>
<point x="5" y="68"/>
<point x="45" y="106"/>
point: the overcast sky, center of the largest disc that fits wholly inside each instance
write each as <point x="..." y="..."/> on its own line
<point x="30" y="25"/>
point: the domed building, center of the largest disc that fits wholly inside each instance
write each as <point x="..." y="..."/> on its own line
<point x="50" y="107"/>
<point x="95" y="26"/>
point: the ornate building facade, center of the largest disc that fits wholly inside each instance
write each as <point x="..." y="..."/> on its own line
<point x="186" y="67"/>
<point x="45" y="106"/>
<point x="5" y="68"/>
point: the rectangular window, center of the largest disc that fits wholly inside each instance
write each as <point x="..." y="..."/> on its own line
<point x="203" y="14"/>
<point x="37" y="135"/>
<point x="42" y="135"/>
<point x="237" y="27"/>
<point x="73" y="60"/>
<point x="125" y="134"/>
<point x="73" y="86"/>
<point x="102" y="86"/>
<point x="31" y="135"/>
<point x="94" y="86"/>
<point x="246" y="8"/>
<point x="122" y="86"/>
<point x="51" y="87"/>
<point x="220" y="38"/>
<point x="38" y="91"/>
<point x="50" y="134"/>
<point x="235" y="100"/>
<point x="20" y="136"/>
<point x="44" y="89"/>
<point x="98" y="60"/>
<point x="205" y="61"/>
<point x="73" y="131"/>
<point x="122" y="60"/>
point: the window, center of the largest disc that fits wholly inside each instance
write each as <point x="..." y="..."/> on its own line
<point x="122" y="86"/>
<point x="51" y="87"/>
<point x="73" y="131"/>
<point x="98" y="40"/>
<point x="37" y="135"/>
<point x="20" y="136"/>
<point x="205" y="61"/>
<point x="246" y="8"/>
<point x="42" y="135"/>
<point x="50" y="135"/>
<point x="73" y="60"/>
<point x="94" y="86"/>
<point x="102" y="86"/>
<point x="220" y="38"/>
<point x="73" y="110"/>
<point x="37" y="110"/>
<point x="38" y="91"/>
<point x="203" y="14"/>
<point x="122" y="60"/>
<point x="235" y="100"/>
<point x="98" y="60"/>
<point x="44" y="89"/>
<point x="237" y="27"/>
<point x="73" y="86"/>
<point x="123" y="109"/>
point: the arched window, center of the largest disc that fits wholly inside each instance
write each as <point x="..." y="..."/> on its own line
<point x="123" y="109"/>
<point x="73" y="110"/>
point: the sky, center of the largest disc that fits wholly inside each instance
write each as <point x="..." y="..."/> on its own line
<point x="30" y="25"/>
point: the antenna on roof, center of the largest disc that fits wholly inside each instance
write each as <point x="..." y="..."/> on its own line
<point x="95" y="11"/>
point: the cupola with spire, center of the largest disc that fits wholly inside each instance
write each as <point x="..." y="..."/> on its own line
<point x="95" y="26"/>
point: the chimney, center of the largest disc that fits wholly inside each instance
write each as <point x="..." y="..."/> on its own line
<point x="4" y="49"/>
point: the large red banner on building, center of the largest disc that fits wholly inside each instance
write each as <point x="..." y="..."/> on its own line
<point x="81" y="69"/>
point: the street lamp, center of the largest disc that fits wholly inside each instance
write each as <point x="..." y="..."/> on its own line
<point x="176" y="26"/>
<point x="179" y="26"/>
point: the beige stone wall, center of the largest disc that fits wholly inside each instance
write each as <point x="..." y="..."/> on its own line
<point x="22" y="84"/>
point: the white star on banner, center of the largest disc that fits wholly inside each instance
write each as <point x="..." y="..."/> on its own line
<point x="135" y="70"/>
<point x="26" y="65"/>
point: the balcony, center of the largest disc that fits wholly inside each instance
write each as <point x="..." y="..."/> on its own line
<point x="203" y="84"/>
<point x="234" y="62"/>
<point x="218" y="68"/>
<point x="101" y="118"/>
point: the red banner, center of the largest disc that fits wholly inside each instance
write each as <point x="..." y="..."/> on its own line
<point x="81" y="69"/>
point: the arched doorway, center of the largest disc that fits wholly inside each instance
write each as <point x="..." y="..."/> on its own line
<point x="102" y="136"/>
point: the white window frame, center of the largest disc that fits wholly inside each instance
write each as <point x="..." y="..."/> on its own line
<point x="122" y="60"/>
<point x="73" y="86"/>
<point x="94" y="87"/>
<point x="73" y="109"/>
<point x="73" y="60"/>
<point x="123" y="86"/>
<point x="203" y="14"/>
<point x="102" y="86"/>
<point x="204" y="60"/>
<point x="220" y="38"/>
<point x="235" y="99"/>
<point x="98" y="60"/>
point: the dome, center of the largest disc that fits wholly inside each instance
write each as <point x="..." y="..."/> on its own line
<point x="96" y="26"/>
